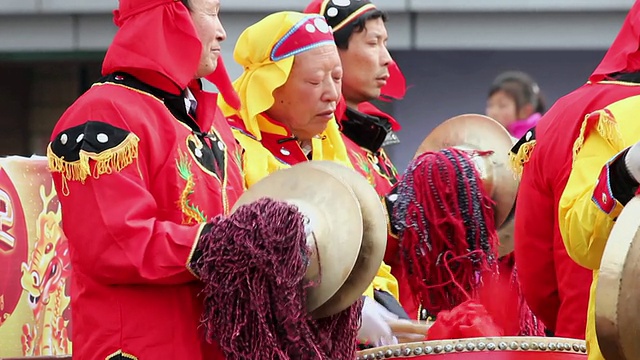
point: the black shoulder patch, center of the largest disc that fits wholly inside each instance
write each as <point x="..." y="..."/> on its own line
<point x="110" y="148"/>
<point x="521" y="151"/>
<point x="92" y="137"/>
<point x="528" y="137"/>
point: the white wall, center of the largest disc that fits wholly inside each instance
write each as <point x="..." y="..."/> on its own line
<point x="105" y="6"/>
<point x="86" y="25"/>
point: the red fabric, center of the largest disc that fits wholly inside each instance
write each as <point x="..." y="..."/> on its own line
<point x="495" y="312"/>
<point x="284" y="147"/>
<point x="221" y="79"/>
<point x="128" y="244"/>
<point x="467" y="320"/>
<point x="555" y="287"/>
<point x="382" y="175"/>
<point x="396" y="86"/>
<point x="377" y="168"/>
<point x="314" y="7"/>
<point x="624" y="53"/>
<point x="165" y="26"/>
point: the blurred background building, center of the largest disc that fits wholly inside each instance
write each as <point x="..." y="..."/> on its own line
<point x="449" y="50"/>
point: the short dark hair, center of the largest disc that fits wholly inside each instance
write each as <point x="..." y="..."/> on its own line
<point x="343" y="35"/>
<point x="521" y="88"/>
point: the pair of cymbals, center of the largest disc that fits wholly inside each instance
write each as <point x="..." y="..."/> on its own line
<point x="481" y="133"/>
<point x="349" y="229"/>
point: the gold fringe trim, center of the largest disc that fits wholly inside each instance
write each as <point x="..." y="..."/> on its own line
<point x="106" y="162"/>
<point x="606" y="126"/>
<point x="522" y="157"/>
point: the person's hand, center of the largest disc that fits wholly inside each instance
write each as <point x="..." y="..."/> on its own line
<point x="375" y="329"/>
<point x="407" y="331"/>
<point x="632" y="161"/>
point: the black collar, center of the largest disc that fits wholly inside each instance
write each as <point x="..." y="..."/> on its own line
<point x="366" y="130"/>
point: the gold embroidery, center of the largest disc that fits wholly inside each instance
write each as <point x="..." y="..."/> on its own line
<point x="120" y="355"/>
<point x="191" y="213"/>
<point x="522" y="157"/>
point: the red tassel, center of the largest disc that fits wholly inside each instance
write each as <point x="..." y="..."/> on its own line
<point x="446" y="247"/>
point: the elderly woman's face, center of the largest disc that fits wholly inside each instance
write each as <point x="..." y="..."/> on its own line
<point x="307" y="101"/>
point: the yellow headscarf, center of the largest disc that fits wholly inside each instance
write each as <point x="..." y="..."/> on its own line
<point x="264" y="72"/>
<point x="266" y="51"/>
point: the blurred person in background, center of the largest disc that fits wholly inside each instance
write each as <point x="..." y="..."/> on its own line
<point x="515" y="101"/>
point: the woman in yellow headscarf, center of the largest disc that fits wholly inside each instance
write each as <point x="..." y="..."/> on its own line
<point x="290" y="89"/>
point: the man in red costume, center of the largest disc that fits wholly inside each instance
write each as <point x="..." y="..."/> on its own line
<point x="142" y="161"/>
<point x="555" y="287"/>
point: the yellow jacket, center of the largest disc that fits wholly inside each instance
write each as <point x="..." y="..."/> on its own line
<point x="584" y="223"/>
<point x="258" y="161"/>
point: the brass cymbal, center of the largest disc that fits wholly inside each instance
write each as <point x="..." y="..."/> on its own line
<point x="374" y="239"/>
<point x="335" y="218"/>
<point x="481" y="133"/>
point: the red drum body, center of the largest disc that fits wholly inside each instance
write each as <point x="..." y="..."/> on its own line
<point x="498" y="348"/>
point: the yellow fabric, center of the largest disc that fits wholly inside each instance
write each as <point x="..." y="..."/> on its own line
<point x="584" y="227"/>
<point x="261" y="75"/>
<point x="259" y="162"/>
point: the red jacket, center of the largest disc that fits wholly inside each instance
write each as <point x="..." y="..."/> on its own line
<point x="132" y="231"/>
<point x="555" y="287"/>
<point x="136" y="177"/>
